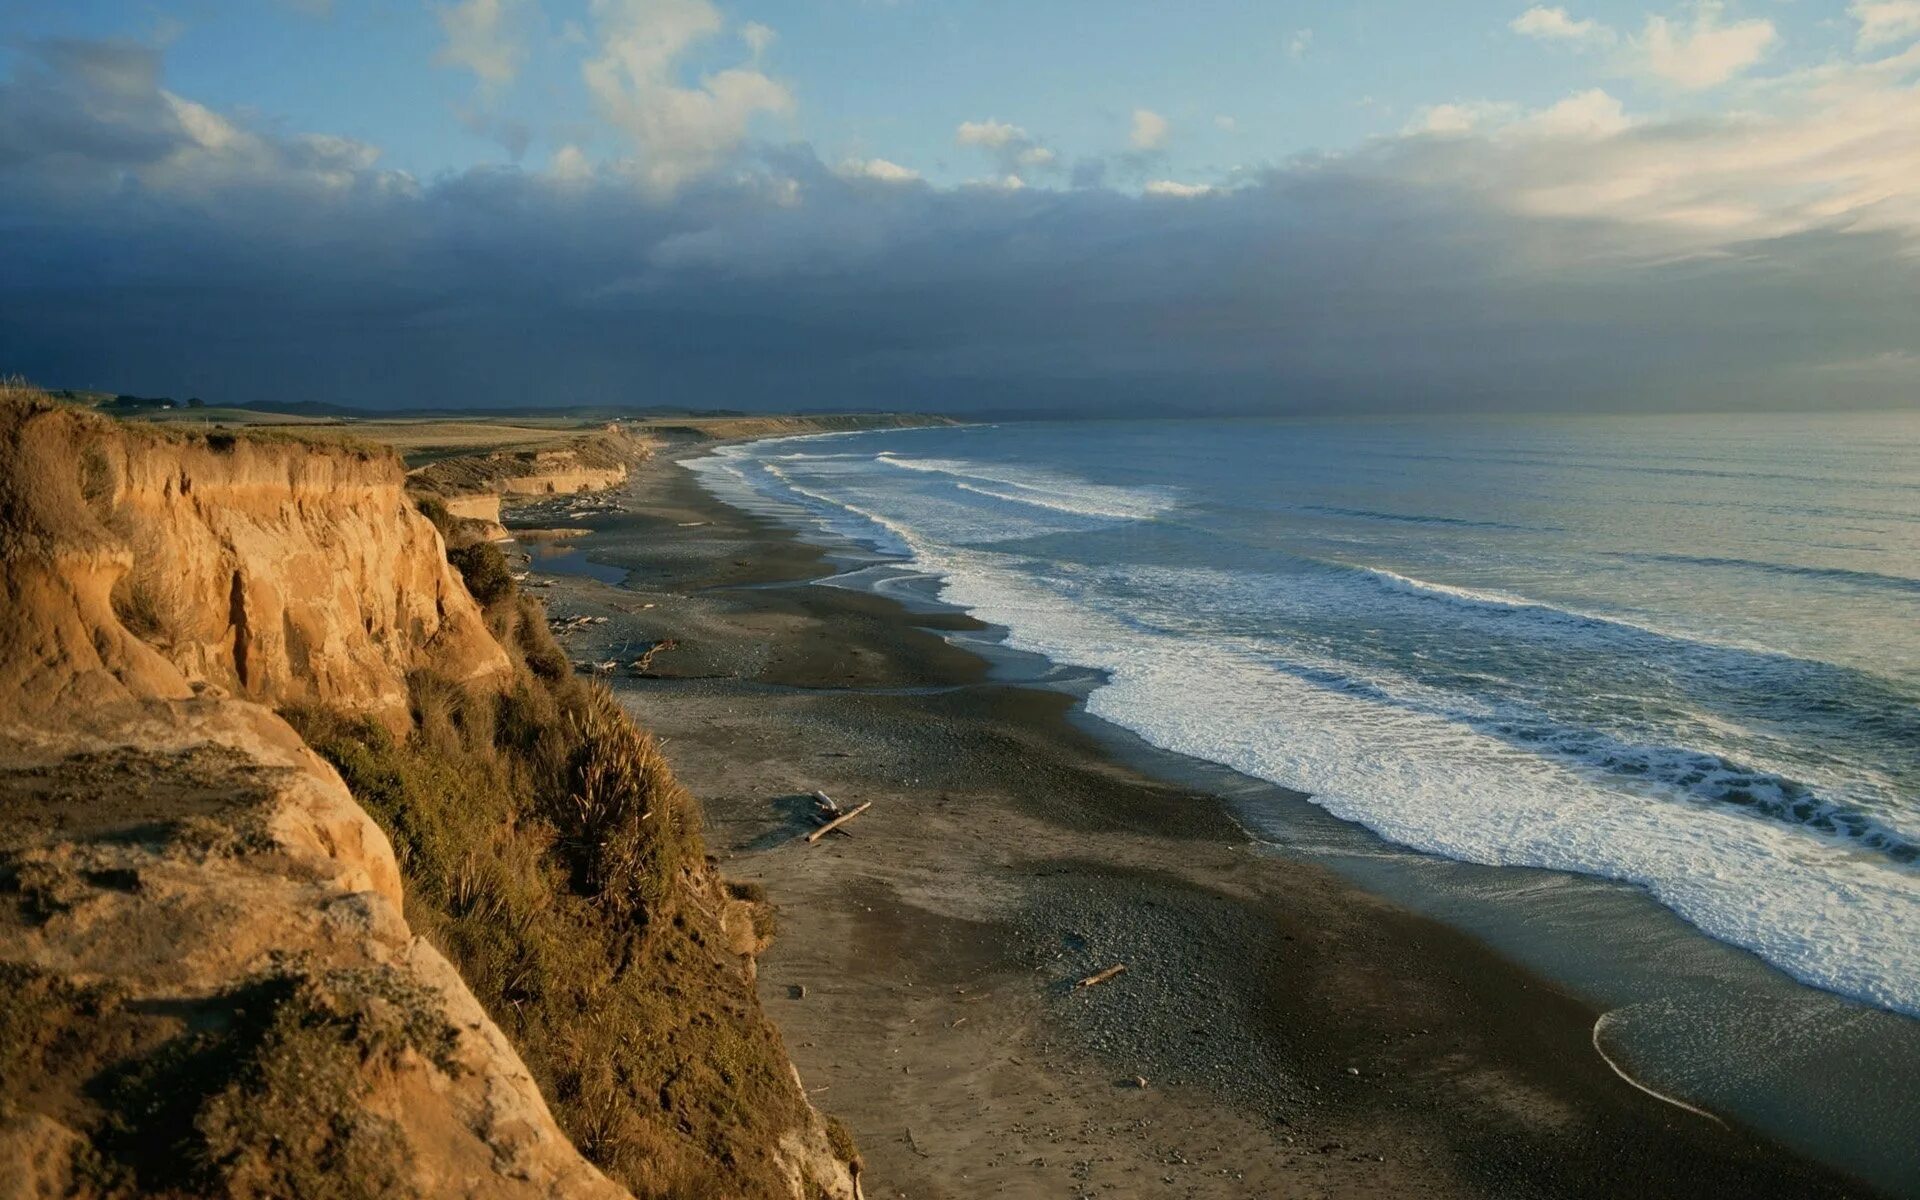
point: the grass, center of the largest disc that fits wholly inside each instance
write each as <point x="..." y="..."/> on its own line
<point x="549" y="851"/>
<point x="265" y="1097"/>
<point x="262" y="1095"/>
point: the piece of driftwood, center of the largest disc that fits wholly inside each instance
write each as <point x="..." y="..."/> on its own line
<point x="1100" y="977"/>
<point x="644" y="663"/>
<point x="837" y="822"/>
<point x="825" y="809"/>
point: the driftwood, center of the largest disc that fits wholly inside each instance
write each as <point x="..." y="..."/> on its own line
<point x="837" y="822"/>
<point x="644" y="663"/>
<point x="1100" y="977"/>
<point x="825" y="809"/>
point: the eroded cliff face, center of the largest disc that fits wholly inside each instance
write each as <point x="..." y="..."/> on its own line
<point x="208" y="984"/>
<point x="144" y="565"/>
<point x="590" y="463"/>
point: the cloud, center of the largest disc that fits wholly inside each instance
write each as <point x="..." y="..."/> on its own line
<point x="679" y="132"/>
<point x="1460" y="117"/>
<point x="1830" y="149"/>
<point x="878" y="169"/>
<point x="1885" y="21"/>
<point x="513" y="135"/>
<point x="1299" y="44"/>
<point x="1171" y="187"/>
<point x="1705" y="52"/>
<point x="1012" y="147"/>
<point x="570" y="164"/>
<point x="1572" y="256"/>
<point x="990" y="133"/>
<point x="1149" y="130"/>
<point x="757" y="37"/>
<point x="1226" y="124"/>
<point x="1553" y="24"/>
<point x="1583" y="115"/>
<point x="480" y="37"/>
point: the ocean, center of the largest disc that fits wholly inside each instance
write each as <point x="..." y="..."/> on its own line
<point x="1681" y="652"/>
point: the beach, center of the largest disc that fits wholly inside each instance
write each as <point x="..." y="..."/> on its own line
<point x="1277" y="1029"/>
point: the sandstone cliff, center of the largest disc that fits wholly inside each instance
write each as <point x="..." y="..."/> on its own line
<point x="209" y="984"/>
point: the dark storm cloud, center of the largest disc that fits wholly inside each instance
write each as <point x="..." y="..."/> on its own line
<point x="155" y="247"/>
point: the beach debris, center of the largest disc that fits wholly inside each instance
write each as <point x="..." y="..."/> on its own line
<point x="644" y="663"/>
<point x="1140" y="1081"/>
<point x="1100" y="977"/>
<point x="825" y="809"/>
<point x="797" y="991"/>
<point x="837" y="822"/>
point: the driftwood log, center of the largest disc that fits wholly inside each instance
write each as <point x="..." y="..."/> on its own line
<point x="1100" y="977"/>
<point x="837" y="822"/>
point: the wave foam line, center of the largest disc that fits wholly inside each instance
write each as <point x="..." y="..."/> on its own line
<point x="1657" y="1095"/>
<point x="1057" y="492"/>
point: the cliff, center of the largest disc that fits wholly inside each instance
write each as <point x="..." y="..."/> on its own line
<point x="589" y="463"/>
<point x="216" y="975"/>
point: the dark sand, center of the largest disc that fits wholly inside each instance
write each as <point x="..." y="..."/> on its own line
<point x="1297" y="1036"/>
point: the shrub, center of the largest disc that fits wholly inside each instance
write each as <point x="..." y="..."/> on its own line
<point x="486" y="572"/>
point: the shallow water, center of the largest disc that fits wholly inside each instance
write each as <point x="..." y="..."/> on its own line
<point x="1677" y="652"/>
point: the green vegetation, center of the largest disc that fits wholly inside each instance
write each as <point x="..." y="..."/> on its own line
<point x="550" y="853"/>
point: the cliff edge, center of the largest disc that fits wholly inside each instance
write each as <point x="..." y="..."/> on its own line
<point x="218" y="977"/>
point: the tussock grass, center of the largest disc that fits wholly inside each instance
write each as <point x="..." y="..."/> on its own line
<point x="551" y="854"/>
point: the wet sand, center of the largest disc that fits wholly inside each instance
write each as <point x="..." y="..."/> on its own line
<point x="1296" y="1035"/>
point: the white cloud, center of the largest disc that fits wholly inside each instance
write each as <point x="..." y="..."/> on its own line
<point x="757" y="37"/>
<point x="1226" y="124"/>
<point x="1011" y="146"/>
<point x="990" y="133"/>
<point x="481" y="38"/>
<point x="680" y="132"/>
<point x="1553" y="24"/>
<point x="1589" y="114"/>
<point x="1299" y="43"/>
<point x="1834" y="148"/>
<point x="878" y="169"/>
<point x="1705" y="52"/>
<point x="1883" y="21"/>
<point x="1149" y="130"/>
<point x="1461" y="117"/>
<point x="1173" y="187"/>
<point x="569" y="164"/>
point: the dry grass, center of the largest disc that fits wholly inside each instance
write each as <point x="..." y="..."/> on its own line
<point x="256" y="1092"/>
<point x="549" y="850"/>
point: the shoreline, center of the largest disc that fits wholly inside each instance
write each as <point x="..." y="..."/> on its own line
<point x="1294" y="1030"/>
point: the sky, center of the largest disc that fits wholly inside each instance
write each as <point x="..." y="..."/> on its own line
<point x="1056" y="207"/>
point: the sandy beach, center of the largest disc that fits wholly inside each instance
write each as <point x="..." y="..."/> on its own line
<point x="1277" y="1031"/>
